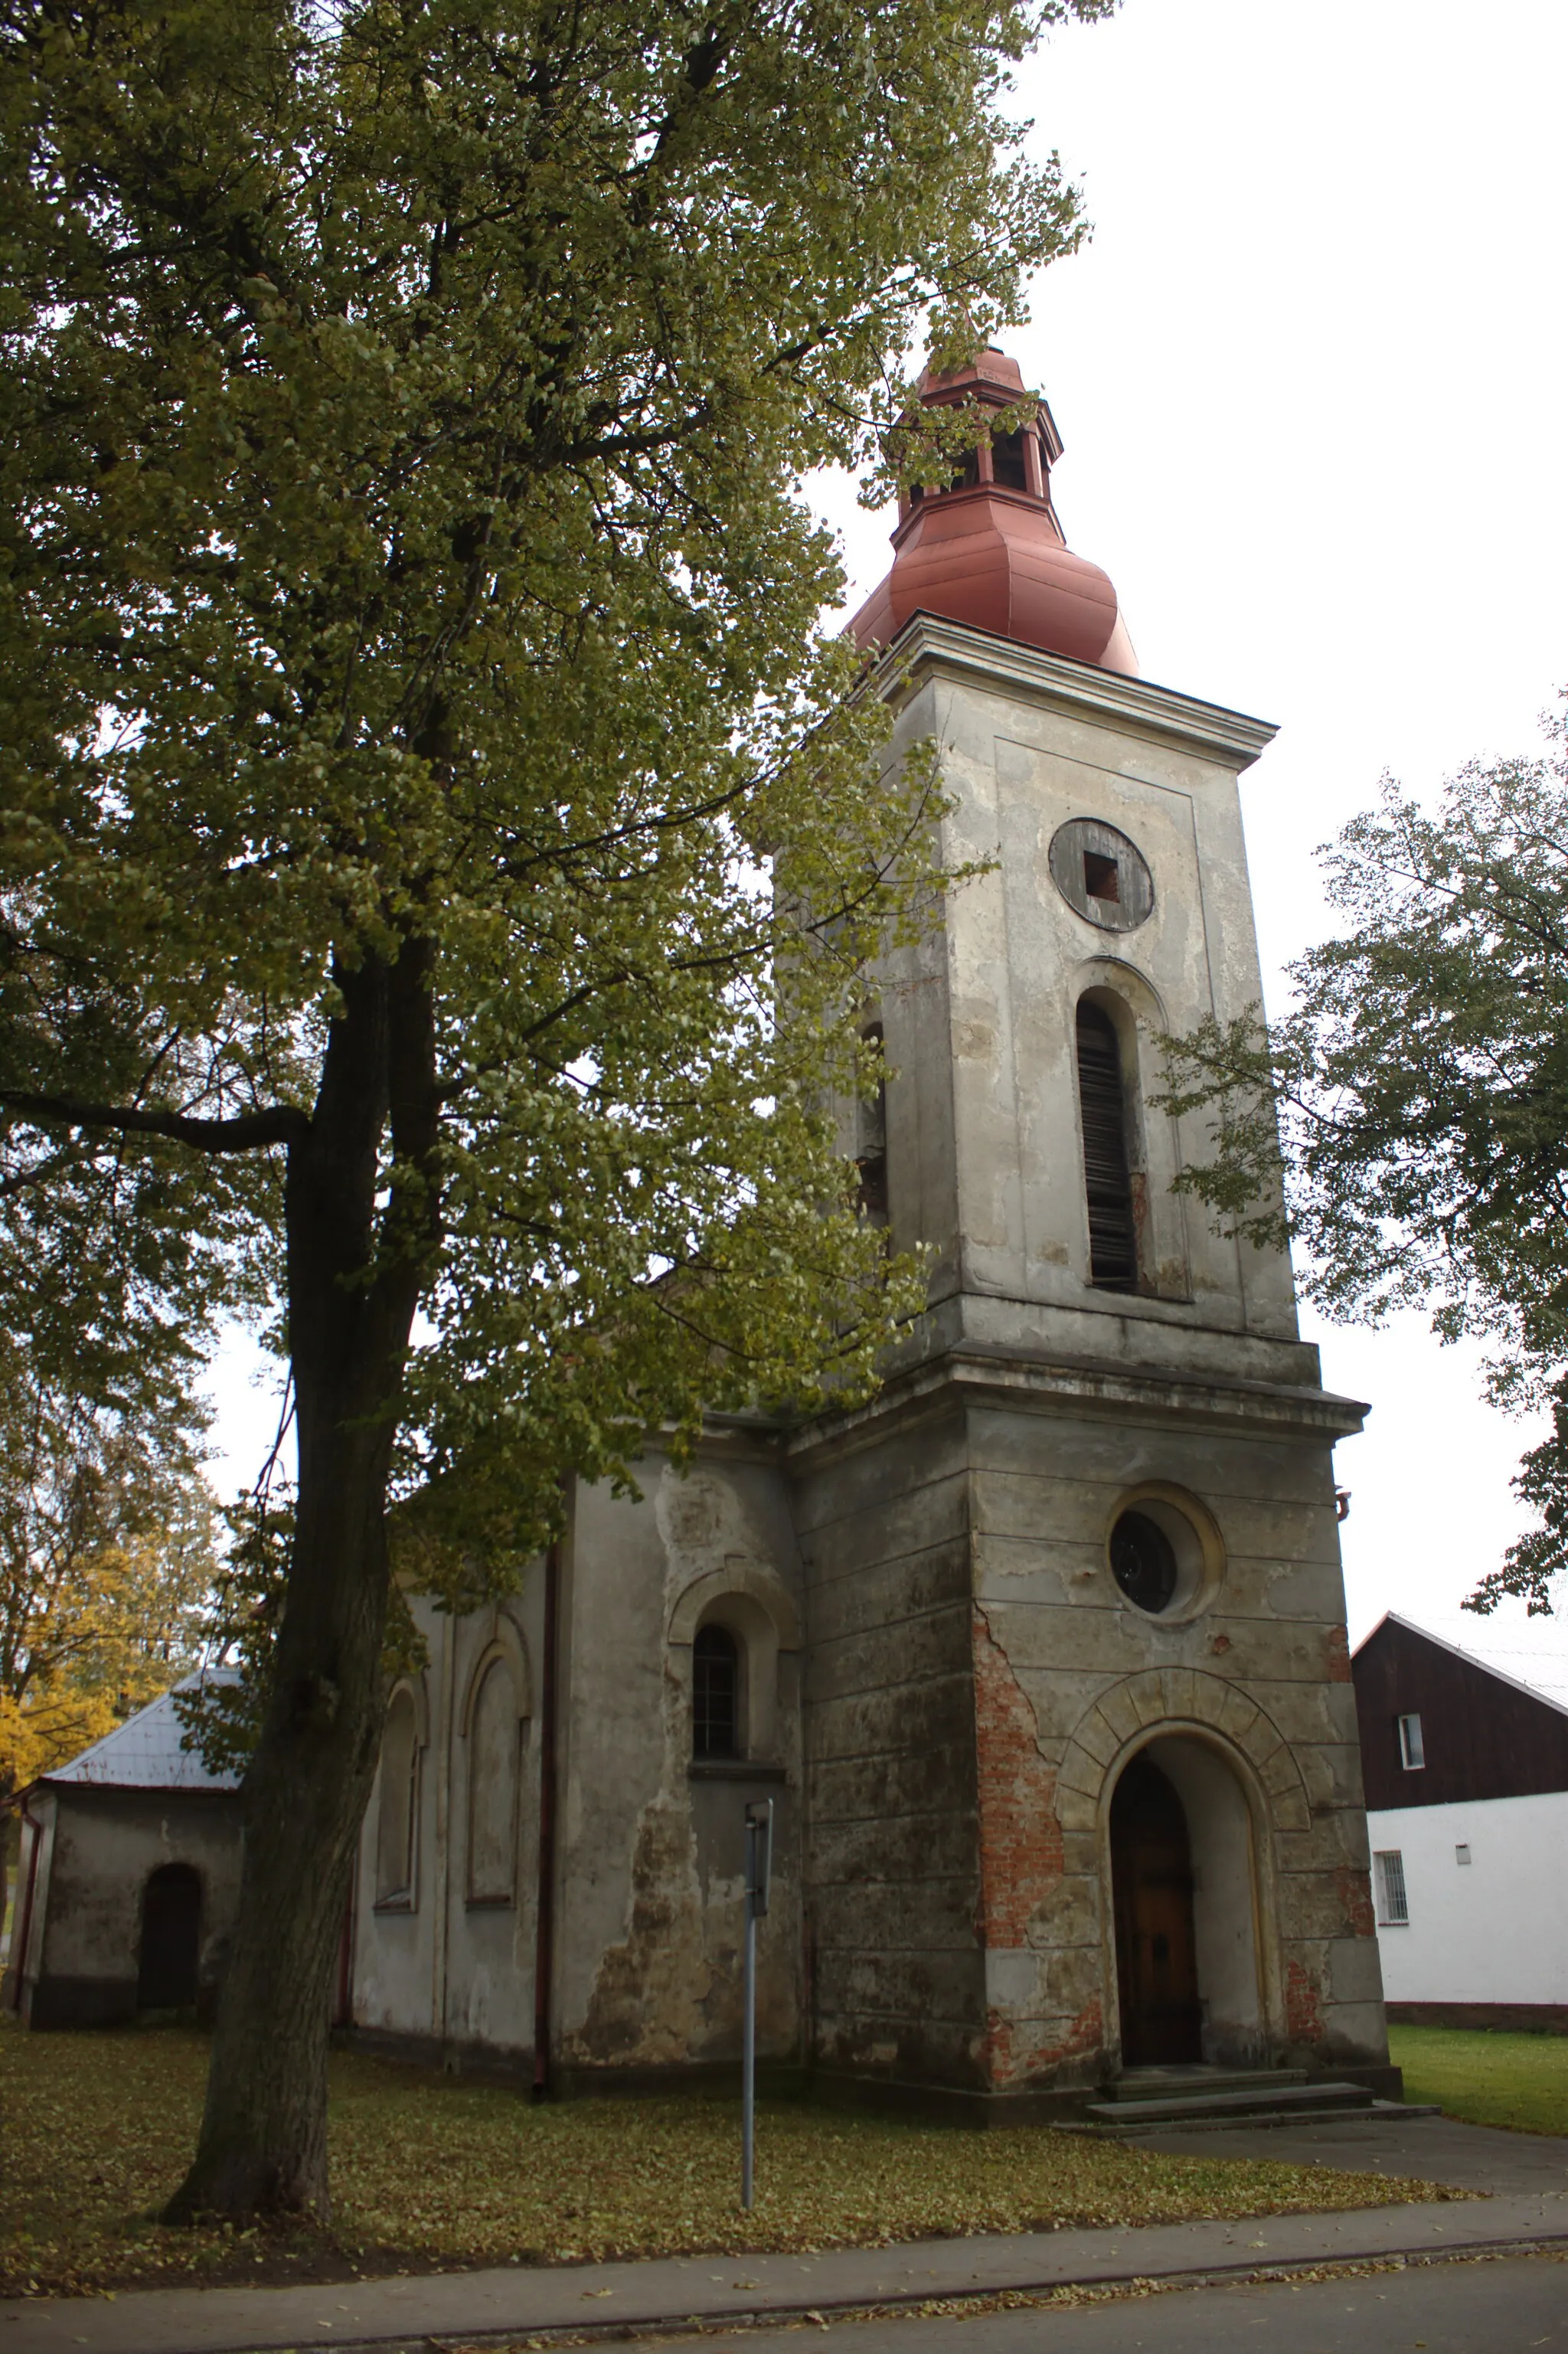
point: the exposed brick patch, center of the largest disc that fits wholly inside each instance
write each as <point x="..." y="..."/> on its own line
<point x="1085" y="2034"/>
<point x="1303" y="2020"/>
<point x="1355" y="1896"/>
<point x="1337" y="1662"/>
<point x="1020" y="1836"/>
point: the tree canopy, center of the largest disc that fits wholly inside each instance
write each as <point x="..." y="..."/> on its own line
<point x="1407" y="1118"/>
<point x="108" y="1567"/>
<point x="411" y="677"/>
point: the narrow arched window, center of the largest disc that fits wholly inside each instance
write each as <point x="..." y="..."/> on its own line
<point x="716" y="1693"/>
<point x="396" y="1820"/>
<point x="494" y="1736"/>
<point x="871" y="1137"/>
<point x="1107" y="1182"/>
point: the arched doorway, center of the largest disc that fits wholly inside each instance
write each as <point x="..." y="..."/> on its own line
<point x="166" y="1972"/>
<point x="1156" y="1940"/>
<point x="1186" y="1902"/>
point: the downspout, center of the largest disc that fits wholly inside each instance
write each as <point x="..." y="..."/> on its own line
<point x="544" y="1906"/>
<point x="19" y="1948"/>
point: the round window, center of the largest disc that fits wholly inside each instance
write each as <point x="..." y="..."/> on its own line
<point x="1102" y="874"/>
<point x="1165" y="1553"/>
<point x="1143" y="1562"/>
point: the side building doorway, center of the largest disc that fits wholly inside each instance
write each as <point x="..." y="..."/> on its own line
<point x="168" y="1960"/>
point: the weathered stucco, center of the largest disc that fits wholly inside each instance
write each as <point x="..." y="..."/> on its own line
<point x="943" y="1681"/>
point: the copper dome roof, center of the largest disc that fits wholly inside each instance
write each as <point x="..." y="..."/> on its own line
<point x="988" y="550"/>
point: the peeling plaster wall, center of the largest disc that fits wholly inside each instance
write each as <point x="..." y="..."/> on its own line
<point x="893" y="1879"/>
<point x="652" y="1847"/>
<point x="1262" y="1669"/>
<point x="441" y="1976"/>
<point x="648" y="1897"/>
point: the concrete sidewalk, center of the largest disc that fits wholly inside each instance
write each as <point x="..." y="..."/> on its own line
<point x="514" y="2302"/>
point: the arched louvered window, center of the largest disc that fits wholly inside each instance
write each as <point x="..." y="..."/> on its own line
<point x="871" y="1138"/>
<point x="715" y="1694"/>
<point x="1113" y="1241"/>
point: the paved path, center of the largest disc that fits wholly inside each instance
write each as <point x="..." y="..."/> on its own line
<point x="1517" y="2307"/>
<point x="1470" y="2157"/>
<point x="520" y="2302"/>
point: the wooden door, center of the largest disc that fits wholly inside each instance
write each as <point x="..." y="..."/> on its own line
<point x="1155" y="1953"/>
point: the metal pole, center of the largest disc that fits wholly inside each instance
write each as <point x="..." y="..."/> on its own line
<point x="748" y="2029"/>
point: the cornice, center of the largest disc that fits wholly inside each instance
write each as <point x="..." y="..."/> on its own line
<point x="926" y="643"/>
<point x="1064" y="1386"/>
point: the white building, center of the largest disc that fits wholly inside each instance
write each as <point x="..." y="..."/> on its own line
<point x="1467" y="1780"/>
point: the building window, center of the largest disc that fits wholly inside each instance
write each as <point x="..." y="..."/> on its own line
<point x="715" y="1694"/>
<point x="1462" y="1851"/>
<point x="398" y="1808"/>
<point x="495" y="1737"/>
<point x="1107" y="1182"/>
<point x="1143" y="1562"/>
<point x="871" y="1138"/>
<point x="1393" y="1905"/>
<point x="1411" y="1751"/>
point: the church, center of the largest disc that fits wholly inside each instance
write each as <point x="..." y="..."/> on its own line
<point x="1040" y="1655"/>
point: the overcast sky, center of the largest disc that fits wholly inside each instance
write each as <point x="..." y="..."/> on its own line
<point x="1309" y="376"/>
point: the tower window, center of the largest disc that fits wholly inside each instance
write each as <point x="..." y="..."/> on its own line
<point x="1393" y="1903"/>
<point x="1113" y="1241"/>
<point x="715" y="1694"/>
<point x="871" y="1139"/>
<point x="1411" y="1749"/>
<point x="1006" y="461"/>
<point x="1102" y="877"/>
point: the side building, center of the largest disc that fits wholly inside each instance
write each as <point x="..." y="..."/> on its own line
<point x="1041" y="1654"/>
<point x="1467" y="1782"/>
<point x="128" y="1881"/>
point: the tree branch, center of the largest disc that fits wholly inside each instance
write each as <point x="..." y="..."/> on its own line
<point x="279" y="1124"/>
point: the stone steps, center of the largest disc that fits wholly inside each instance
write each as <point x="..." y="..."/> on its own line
<point x="1148" y="2097"/>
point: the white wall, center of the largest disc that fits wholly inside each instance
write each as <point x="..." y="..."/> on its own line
<point x="1494" y="1930"/>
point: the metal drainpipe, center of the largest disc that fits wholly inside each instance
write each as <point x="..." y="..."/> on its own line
<point x="544" y="1906"/>
<point x="19" y="1946"/>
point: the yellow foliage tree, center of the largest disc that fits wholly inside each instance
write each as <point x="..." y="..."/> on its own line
<point x="107" y="1556"/>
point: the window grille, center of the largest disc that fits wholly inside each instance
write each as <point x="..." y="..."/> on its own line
<point x="1412" y="1750"/>
<point x="715" y="1694"/>
<point x="1113" y="1244"/>
<point x="1393" y="1906"/>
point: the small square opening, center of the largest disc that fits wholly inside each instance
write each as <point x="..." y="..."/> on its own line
<point x="1101" y="880"/>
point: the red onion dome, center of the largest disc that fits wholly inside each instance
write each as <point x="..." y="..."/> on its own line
<point x="987" y="548"/>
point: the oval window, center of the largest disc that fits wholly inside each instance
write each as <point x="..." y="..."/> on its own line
<point x="1143" y="1563"/>
<point x="1102" y="874"/>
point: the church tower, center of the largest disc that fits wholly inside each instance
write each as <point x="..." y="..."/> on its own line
<point x="1081" y="1781"/>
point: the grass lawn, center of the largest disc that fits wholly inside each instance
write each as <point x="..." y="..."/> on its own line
<point x="429" y="2170"/>
<point x="1486" y="2077"/>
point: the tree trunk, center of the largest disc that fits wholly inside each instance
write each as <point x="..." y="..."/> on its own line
<point x="352" y="1296"/>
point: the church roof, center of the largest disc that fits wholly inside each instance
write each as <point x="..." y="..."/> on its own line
<point x="145" y="1752"/>
<point x="986" y="548"/>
